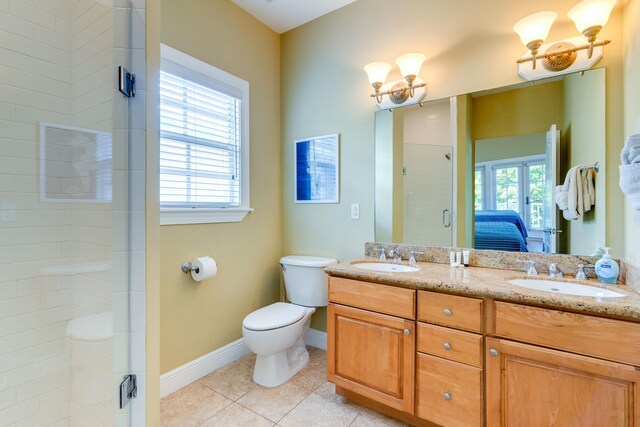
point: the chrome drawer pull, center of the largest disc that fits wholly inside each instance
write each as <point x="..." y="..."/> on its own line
<point x="447" y="346"/>
<point x="447" y="396"/>
<point x="447" y="312"/>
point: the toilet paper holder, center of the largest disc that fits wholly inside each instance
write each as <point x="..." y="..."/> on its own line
<point x="187" y="267"/>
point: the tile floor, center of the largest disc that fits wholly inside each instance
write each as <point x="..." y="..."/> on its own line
<point x="228" y="397"/>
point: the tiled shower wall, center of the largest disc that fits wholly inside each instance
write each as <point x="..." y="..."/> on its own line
<point x="64" y="261"/>
<point x="36" y="304"/>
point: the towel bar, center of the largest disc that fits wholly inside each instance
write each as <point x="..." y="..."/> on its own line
<point x="595" y="167"/>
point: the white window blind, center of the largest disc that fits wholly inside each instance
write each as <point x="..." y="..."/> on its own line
<point x="200" y="152"/>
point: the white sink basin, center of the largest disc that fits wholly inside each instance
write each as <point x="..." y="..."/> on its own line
<point x="385" y="267"/>
<point x="567" y="288"/>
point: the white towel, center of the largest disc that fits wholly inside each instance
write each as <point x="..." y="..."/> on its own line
<point x="630" y="185"/>
<point x="577" y="194"/>
<point x="631" y="152"/>
<point x="588" y="189"/>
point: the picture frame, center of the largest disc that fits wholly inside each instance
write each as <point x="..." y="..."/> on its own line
<point x="317" y="169"/>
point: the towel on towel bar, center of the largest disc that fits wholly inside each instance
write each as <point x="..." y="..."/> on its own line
<point x="577" y="194"/>
<point x="630" y="173"/>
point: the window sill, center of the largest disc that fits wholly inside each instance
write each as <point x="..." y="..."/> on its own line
<point x="178" y="216"/>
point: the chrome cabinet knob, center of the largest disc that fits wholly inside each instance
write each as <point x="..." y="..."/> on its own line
<point x="447" y="396"/>
<point x="447" y="312"/>
<point x="407" y="332"/>
<point x="447" y="346"/>
<point x="493" y="352"/>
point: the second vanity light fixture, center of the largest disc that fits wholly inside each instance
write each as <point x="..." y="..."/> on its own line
<point x="589" y="17"/>
<point x="400" y="92"/>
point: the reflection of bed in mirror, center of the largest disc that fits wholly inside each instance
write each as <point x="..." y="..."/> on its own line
<point x="502" y="230"/>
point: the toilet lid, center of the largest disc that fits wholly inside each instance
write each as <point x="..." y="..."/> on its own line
<point x="273" y="316"/>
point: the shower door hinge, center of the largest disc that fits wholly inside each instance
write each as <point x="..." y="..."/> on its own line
<point x="126" y="82"/>
<point x="128" y="390"/>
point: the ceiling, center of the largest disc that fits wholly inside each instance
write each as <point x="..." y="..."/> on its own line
<point x="284" y="15"/>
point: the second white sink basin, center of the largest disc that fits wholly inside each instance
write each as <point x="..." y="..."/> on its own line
<point x="567" y="288"/>
<point x="385" y="267"/>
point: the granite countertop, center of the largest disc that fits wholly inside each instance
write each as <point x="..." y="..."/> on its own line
<point x="491" y="283"/>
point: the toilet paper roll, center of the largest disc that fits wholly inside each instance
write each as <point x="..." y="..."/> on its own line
<point x="204" y="268"/>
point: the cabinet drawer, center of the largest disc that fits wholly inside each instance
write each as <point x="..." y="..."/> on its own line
<point x="448" y="393"/>
<point x="450" y="310"/>
<point x="451" y="344"/>
<point x="385" y="299"/>
<point x="609" y="339"/>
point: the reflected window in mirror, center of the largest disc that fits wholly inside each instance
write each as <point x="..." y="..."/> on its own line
<point x="513" y="191"/>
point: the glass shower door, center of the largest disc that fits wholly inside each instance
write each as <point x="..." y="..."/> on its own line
<point x="71" y="212"/>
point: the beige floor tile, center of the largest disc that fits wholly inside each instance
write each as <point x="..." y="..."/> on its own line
<point x="328" y="391"/>
<point x="237" y="416"/>
<point x="315" y="374"/>
<point x="366" y="420"/>
<point x="380" y="417"/>
<point x="233" y="380"/>
<point x="274" y="403"/>
<point x="191" y="406"/>
<point x="248" y="359"/>
<point x="318" y="411"/>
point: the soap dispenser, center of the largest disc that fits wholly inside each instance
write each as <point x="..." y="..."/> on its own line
<point x="607" y="269"/>
<point x="597" y="251"/>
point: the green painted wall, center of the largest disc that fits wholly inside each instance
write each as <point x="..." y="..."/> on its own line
<point x="197" y="318"/>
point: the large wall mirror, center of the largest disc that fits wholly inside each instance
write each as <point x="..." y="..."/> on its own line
<point x="480" y="170"/>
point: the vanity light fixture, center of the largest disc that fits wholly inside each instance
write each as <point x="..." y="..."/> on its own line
<point x="589" y="17"/>
<point x="410" y="65"/>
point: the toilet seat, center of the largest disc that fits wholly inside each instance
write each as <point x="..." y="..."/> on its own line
<point x="274" y="316"/>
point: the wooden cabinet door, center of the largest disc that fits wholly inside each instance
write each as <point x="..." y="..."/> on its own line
<point x="372" y="354"/>
<point x="538" y="387"/>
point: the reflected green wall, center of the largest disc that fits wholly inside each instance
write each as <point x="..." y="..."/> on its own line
<point x="509" y="147"/>
<point x="584" y="138"/>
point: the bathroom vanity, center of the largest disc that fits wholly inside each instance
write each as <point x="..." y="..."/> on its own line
<point x="455" y="347"/>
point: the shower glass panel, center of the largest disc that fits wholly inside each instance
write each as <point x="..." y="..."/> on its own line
<point x="72" y="151"/>
<point x="427" y="192"/>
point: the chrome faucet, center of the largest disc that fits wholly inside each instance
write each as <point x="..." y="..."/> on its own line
<point x="412" y="258"/>
<point x="395" y="255"/>
<point x="383" y="256"/>
<point x="554" y="272"/>
<point x="531" y="269"/>
<point x="580" y="274"/>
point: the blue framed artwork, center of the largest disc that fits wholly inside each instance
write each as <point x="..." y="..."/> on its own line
<point x="316" y="169"/>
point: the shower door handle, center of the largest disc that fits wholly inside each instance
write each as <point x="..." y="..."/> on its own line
<point x="446" y="218"/>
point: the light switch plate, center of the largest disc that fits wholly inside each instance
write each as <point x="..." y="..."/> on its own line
<point x="355" y="210"/>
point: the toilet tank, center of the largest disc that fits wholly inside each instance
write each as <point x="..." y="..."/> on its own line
<point x="305" y="280"/>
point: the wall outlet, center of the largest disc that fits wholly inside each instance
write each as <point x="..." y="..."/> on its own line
<point x="355" y="210"/>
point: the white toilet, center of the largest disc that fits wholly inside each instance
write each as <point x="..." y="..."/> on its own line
<point x="275" y="333"/>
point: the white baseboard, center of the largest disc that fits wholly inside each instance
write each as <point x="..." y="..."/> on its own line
<point x="316" y="338"/>
<point x="189" y="372"/>
<point x="196" y="369"/>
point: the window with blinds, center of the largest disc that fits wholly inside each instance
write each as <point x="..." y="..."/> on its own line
<point x="199" y="146"/>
